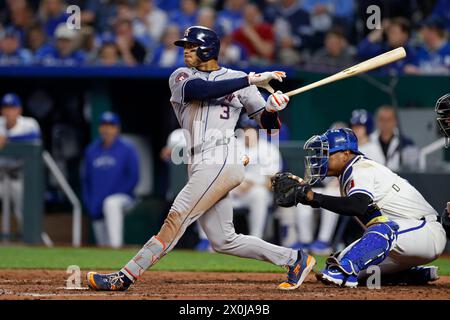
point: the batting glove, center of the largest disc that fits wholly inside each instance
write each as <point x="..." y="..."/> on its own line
<point x="262" y="79"/>
<point x="277" y="101"/>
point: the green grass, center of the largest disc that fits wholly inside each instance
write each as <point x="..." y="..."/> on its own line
<point x="103" y="259"/>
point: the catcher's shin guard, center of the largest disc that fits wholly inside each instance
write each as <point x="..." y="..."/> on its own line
<point x="371" y="249"/>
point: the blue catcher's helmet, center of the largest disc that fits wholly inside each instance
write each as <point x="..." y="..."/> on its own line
<point x="321" y="147"/>
<point x="362" y="117"/>
<point x="207" y="40"/>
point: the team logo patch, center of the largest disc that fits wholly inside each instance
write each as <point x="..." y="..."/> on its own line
<point x="181" y="76"/>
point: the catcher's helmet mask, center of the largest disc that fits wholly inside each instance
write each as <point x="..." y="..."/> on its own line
<point x="442" y="109"/>
<point x="207" y="40"/>
<point x="321" y="147"/>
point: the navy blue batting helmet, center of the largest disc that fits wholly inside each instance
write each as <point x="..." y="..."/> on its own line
<point x="207" y="40"/>
<point x="321" y="147"/>
<point x="362" y="117"/>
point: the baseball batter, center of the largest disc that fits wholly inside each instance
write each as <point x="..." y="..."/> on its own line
<point x="402" y="229"/>
<point x="207" y="100"/>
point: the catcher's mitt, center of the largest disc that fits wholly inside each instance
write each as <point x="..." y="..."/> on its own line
<point x="285" y="187"/>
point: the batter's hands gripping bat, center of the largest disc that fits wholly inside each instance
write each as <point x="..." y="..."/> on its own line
<point x="376" y="62"/>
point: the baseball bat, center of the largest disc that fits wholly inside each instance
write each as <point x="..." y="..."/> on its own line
<point x="373" y="63"/>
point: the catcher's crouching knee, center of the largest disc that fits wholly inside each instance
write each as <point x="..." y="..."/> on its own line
<point x="224" y="244"/>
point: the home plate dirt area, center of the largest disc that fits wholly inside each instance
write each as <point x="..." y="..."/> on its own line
<point x="51" y="284"/>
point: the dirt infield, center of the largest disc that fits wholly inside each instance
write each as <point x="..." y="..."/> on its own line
<point x="51" y="284"/>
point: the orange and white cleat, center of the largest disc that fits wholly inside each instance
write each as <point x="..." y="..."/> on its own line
<point x="298" y="272"/>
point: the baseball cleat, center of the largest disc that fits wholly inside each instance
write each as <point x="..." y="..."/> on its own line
<point x="116" y="281"/>
<point x="420" y="275"/>
<point x="334" y="276"/>
<point x="298" y="272"/>
<point x="429" y="273"/>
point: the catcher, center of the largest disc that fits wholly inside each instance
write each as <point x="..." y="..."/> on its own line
<point x="402" y="230"/>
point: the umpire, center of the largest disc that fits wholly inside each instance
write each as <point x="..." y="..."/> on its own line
<point x="109" y="176"/>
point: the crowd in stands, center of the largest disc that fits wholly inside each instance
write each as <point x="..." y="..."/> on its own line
<point x="321" y="35"/>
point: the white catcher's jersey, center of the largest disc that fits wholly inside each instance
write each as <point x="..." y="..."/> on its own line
<point x="203" y="118"/>
<point x="396" y="198"/>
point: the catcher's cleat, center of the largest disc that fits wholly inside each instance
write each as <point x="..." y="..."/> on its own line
<point x="420" y="275"/>
<point x="116" y="281"/>
<point x="426" y="273"/>
<point x="298" y="272"/>
<point x="334" y="276"/>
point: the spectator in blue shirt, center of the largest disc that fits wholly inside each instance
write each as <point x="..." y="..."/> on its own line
<point x="64" y="52"/>
<point x="397" y="32"/>
<point x="344" y="9"/>
<point x="101" y="13"/>
<point x="442" y="10"/>
<point x="231" y="17"/>
<point x="433" y="58"/>
<point x="36" y="41"/>
<point x="20" y="16"/>
<point x="293" y="31"/>
<point x="293" y="24"/>
<point x="149" y="20"/>
<point x="52" y="14"/>
<point x="167" y="54"/>
<point x="186" y="16"/>
<point x="326" y="13"/>
<point x="11" y="54"/>
<point x="110" y="174"/>
<point x="168" y="5"/>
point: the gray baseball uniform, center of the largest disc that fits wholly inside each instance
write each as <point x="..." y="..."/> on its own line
<point x="213" y="171"/>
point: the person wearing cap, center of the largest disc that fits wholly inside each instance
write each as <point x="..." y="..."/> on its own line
<point x="110" y="173"/>
<point x="65" y="50"/>
<point x="11" y="53"/>
<point x="109" y="176"/>
<point x="433" y="58"/>
<point x="15" y="128"/>
<point x="362" y="124"/>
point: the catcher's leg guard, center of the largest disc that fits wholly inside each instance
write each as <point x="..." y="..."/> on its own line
<point x="371" y="249"/>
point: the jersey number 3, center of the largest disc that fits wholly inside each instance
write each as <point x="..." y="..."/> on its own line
<point x="225" y="112"/>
